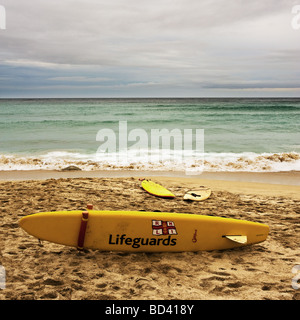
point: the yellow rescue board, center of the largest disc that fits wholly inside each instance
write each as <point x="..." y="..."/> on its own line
<point x="144" y="231"/>
<point x="156" y="189"/>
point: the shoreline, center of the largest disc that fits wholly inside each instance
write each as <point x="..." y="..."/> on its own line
<point x="282" y="178"/>
<point x="272" y="184"/>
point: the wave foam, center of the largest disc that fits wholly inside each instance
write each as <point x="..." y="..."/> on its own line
<point x="210" y="162"/>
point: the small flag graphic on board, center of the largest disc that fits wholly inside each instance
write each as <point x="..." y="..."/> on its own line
<point x="160" y="227"/>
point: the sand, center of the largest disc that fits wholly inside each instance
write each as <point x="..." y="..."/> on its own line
<point x="50" y="271"/>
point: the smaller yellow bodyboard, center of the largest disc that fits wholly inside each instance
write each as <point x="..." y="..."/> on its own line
<point x="156" y="189"/>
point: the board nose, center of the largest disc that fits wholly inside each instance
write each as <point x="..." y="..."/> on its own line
<point x="22" y="222"/>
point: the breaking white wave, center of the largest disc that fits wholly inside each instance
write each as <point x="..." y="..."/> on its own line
<point x="208" y="162"/>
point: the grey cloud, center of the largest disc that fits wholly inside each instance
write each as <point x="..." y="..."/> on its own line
<point x="109" y="32"/>
<point x="187" y="44"/>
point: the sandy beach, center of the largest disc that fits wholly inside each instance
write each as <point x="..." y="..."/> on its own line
<point x="50" y="271"/>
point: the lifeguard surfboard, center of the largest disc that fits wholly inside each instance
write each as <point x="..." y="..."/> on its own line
<point x="200" y="194"/>
<point x="156" y="189"/>
<point x="142" y="231"/>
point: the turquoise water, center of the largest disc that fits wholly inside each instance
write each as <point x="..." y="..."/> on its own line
<point x="56" y="132"/>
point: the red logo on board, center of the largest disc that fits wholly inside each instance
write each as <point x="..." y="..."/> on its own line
<point x="160" y="227"/>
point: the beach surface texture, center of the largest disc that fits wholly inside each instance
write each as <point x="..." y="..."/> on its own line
<point x="50" y="271"/>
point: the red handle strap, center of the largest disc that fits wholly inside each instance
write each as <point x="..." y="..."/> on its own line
<point x="83" y="225"/>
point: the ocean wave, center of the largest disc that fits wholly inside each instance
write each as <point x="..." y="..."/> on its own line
<point x="208" y="162"/>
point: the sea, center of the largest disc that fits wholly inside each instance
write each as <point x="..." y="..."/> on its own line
<point x="167" y="134"/>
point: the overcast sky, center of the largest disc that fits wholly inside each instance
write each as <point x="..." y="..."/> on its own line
<point x="157" y="48"/>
